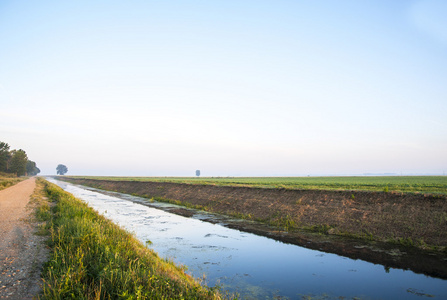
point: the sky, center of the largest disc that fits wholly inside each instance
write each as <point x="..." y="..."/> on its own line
<point x="231" y="88"/>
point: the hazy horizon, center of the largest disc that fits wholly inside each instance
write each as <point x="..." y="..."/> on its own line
<point x="263" y="176"/>
<point x="232" y="88"/>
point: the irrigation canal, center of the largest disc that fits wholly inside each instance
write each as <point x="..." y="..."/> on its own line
<point x="253" y="266"/>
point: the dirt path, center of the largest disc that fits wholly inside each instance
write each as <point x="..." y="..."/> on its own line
<point x="21" y="251"/>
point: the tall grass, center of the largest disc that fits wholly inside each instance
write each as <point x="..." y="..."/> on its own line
<point x="92" y="258"/>
<point x="7" y="180"/>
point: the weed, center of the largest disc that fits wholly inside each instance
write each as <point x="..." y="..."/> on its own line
<point x="285" y="222"/>
<point x="323" y="228"/>
<point x="42" y="229"/>
<point x="43" y="212"/>
<point x="241" y="216"/>
<point x="408" y="242"/>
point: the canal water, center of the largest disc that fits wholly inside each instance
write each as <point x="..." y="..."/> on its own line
<point x="252" y="266"/>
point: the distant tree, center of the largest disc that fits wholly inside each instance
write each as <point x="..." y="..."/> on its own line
<point x="30" y="165"/>
<point x="197" y="173"/>
<point x="31" y="168"/>
<point x="19" y="160"/>
<point x="61" y="169"/>
<point x="5" y="156"/>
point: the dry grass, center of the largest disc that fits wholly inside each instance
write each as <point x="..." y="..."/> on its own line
<point x="7" y="180"/>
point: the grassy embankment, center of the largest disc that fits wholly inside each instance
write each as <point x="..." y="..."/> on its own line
<point x="92" y="258"/>
<point x="7" y="180"/>
<point x="412" y="184"/>
<point x="412" y="218"/>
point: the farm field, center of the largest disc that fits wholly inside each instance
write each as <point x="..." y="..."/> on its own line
<point x="412" y="184"/>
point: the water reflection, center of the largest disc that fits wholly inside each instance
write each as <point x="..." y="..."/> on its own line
<point x="254" y="266"/>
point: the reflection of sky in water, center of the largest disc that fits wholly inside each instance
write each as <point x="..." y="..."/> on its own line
<point x="254" y="265"/>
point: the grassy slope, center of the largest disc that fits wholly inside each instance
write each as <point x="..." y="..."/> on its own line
<point x="92" y="258"/>
<point x="421" y="184"/>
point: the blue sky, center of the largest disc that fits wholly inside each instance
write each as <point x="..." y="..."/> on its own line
<point x="233" y="88"/>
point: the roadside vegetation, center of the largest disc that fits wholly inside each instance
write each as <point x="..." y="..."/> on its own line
<point x="92" y="258"/>
<point x="413" y="184"/>
<point x="7" y="180"/>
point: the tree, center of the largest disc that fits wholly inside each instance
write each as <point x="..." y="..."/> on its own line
<point x="31" y="168"/>
<point x="5" y="156"/>
<point x="61" y="169"/>
<point x="18" y="162"/>
<point x="197" y="173"/>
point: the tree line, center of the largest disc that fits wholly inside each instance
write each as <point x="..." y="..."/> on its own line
<point x="16" y="162"/>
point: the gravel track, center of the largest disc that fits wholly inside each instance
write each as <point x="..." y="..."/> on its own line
<point x="22" y="253"/>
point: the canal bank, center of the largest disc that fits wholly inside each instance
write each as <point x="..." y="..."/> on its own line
<point x="406" y="218"/>
<point x="93" y="258"/>
<point x="239" y="201"/>
<point x="253" y="266"/>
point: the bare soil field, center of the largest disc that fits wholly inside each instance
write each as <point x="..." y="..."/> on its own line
<point x="22" y="253"/>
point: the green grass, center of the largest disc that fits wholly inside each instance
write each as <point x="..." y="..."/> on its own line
<point x="413" y="184"/>
<point x="7" y="180"/>
<point x="92" y="258"/>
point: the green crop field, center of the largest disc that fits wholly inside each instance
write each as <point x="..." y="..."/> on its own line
<point x="414" y="184"/>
